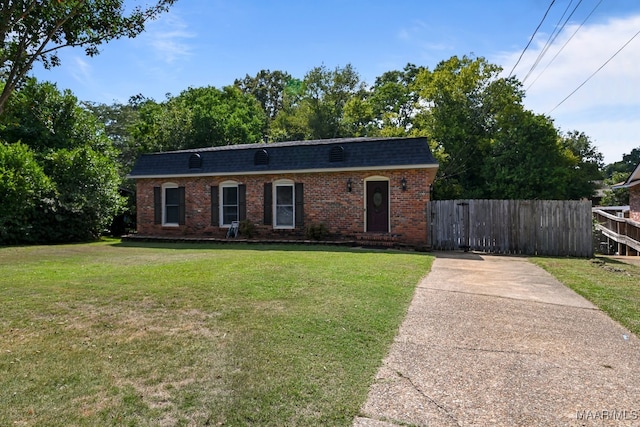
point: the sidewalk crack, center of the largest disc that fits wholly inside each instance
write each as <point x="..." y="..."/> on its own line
<point x="429" y="398"/>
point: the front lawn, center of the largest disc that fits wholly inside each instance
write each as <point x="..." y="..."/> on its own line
<point x="611" y="285"/>
<point x="117" y="333"/>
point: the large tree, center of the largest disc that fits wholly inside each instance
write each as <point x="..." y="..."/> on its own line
<point x="45" y="119"/>
<point x="67" y="178"/>
<point x="35" y="30"/>
<point x="316" y="108"/>
<point x="199" y="117"/>
<point x="583" y="164"/>
<point x="525" y="161"/>
<point x="462" y="99"/>
<point x="118" y="119"/>
<point x="268" y="87"/>
<point x="627" y="165"/>
<point x="395" y="100"/>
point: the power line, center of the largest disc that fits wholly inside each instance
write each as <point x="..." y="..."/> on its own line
<point x="552" y="37"/>
<point x="532" y="37"/>
<point x="595" y="72"/>
<point x="565" y="43"/>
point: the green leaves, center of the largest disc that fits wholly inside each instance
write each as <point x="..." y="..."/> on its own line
<point x="199" y="117"/>
<point x="87" y="193"/>
<point x="24" y="189"/>
<point x="58" y="176"/>
<point x="37" y="30"/>
<point x="315" y="108"/>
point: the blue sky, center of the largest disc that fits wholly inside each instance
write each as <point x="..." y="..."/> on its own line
<point x="212" y="42"/>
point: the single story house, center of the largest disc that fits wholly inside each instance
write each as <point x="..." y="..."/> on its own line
<point x="356" y="187"/>
<point x="633" y="184"/>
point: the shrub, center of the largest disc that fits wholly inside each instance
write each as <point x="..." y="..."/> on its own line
<point x="247" y="229"/>
<point x="317" y="231"/>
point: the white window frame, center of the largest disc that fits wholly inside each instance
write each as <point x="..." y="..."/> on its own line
<point x="165" y="186"/>
<point x="284" y="183"/>
<point x="223" y="185"/>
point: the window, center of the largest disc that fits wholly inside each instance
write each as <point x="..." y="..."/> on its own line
<point x="169" y="204"/>
<point x="229" y="204"/>
<point x="284" y="206"/>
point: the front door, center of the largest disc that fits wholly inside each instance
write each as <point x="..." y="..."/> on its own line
<point x="378" y="206"/>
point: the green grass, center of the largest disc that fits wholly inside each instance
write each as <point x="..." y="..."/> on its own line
<point x="611" y="285"/>
<point x="120" y="334"/>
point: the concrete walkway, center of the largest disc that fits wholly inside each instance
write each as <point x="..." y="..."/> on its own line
<point x="496" y="341"/>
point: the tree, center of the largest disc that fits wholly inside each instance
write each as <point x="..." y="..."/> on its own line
<point x="118" y="119"/>
<point x="617" y="197"/>
<point x="628" y="163"/>
<point x="199" y="117"/>
<point x="326" y="94"/>
<point x="87" y="196"/>
<point x="36" y="30"/>
<point x="45" y="119"/>
<point x="526" y="159"/>
<point x="462" y="100"/>
<point x="395" y="101"/>
<point x="359" y="117"/>
<point x="24" y="190"/>
<point x="616" y="173"/>
<point x="315" y="108"/>
<point x="222" y="117"/>
<point x="70" y="159"/>
<point x="583" y="165"/>
<point x="268" y="87"/>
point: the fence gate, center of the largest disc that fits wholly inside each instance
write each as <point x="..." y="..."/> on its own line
<point x="527" y="227"/>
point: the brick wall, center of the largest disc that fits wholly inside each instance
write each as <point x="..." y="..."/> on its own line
<point x="634" y="203"/>
<point x="326" y="200"/>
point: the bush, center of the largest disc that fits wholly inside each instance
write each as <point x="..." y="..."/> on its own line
<point x="25" y="190"/>
<point x="88" y="196"/>
<point x="247" y="229"/>
<point x="317" y="231"/>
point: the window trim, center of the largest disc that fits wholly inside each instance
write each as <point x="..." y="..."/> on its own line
<point x="284" y="183"/>
<point x="222" y="186"/>
<point x="165" y="186"/>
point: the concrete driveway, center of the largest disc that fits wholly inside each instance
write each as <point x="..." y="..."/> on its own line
<point x="497" y="341"/>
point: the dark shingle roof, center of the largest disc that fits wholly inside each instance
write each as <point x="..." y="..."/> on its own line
<point x="356" y="153"/>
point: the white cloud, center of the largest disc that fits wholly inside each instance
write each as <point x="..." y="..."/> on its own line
<point x="606" y="107"/>
<point x="81" y="71"/>
<point x="167" y="37"/>
<point x="409" y="34"/>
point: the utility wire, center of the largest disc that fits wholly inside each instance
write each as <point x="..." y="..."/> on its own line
<point x="595" y="72"/>
<point x="552" y="37"/>
<point x="532" y="36"/>
<point x="566" y="43"/>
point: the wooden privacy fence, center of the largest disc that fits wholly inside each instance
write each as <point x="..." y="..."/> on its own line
<point x="527" y="227"/>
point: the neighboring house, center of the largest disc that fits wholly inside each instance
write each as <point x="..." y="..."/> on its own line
<point x="356" y="187"/>
<point x="633" y="184"/>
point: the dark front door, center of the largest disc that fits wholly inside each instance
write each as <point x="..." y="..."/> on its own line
<point x="378" y="206"/>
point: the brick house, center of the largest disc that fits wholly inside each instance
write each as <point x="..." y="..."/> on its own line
<point x="356" y="187"/>
<point x="633" y="184"/>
